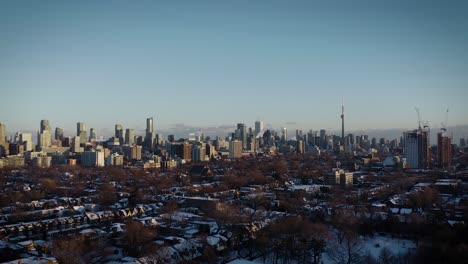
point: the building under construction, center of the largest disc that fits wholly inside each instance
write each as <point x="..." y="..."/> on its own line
<point x="417" y="149"/>
<point x="444" y="150"/>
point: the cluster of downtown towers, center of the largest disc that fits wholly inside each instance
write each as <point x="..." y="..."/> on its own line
<point x="242" y="141"/>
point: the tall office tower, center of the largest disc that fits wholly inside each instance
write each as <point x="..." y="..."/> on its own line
<point x="80" y="126"/>
<point x="250" y="131"/>
<point x="358" y="140"/>
<point x="462" y="143"/>
<point x="300" y="146"/>
<point x="258" y="126"/>
<point x="159" y="139"/>
<point x="149" y="125"/>
<point x="92" y="135"/>
<point x="235" y="149"/>
<point x="351" y="139"/>
<point x="299" y="134"/>
<point x="444" y="150"/>
<point x="44" y="138"/>
<point x="26" y="140"/>
<point x="139" y="140"/>
<point x="2" y="133"/>
<point x="75" y="146"/>
<point x="130" y="137"/>
<point x="323" y="140"/>
<point x="267" y="138"/>
<point x="311" y="138"/>
<point x="284" y="136"/>
<point x="252" y="143"/>
<point x="150" y="135"/>
<point x="120" y="133"/>
<point x="382" y="141"/>
<point x="58" y="133"/>
<point x="241" y="134"/>
<point x="402" y="142"/>
<point x="81" y="132"/>
<point x="45" y="125"/>
<point x="417" y="148"/>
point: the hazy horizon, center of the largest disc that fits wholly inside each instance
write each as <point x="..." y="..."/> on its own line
<point x="210" y="63"/>
<point x="183" y="131"/>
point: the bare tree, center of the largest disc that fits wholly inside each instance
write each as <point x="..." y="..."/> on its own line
<point x="69" y="250"/>
<point x="347" y="250"/>
<point x="386" y="257"/>
<point x="107" y="194"/>
<point x="138" y="238"/>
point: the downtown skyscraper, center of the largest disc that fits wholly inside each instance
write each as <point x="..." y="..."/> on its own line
<point x="150" y="136"/>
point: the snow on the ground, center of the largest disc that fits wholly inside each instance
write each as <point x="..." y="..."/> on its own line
<point x="395" y="246"/>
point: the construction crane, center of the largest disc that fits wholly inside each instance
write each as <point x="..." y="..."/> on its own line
<point x="425" y="124"/>
<point x="444" y="124"/>
<point x="419" y="117"/>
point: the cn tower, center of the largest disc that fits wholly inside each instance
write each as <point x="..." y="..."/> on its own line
<point x="342" y="126"/>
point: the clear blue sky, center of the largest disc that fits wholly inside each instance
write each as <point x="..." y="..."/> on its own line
<point x="209" y="63"/>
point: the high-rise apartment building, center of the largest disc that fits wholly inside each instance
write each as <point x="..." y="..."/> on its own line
<point x="198" y="153"/>
<point x="444" y="150"/>
<point x="187" y="151"/>
<point x="210" y="150"/>
<point x="235" y="149"/>
<point x="26" y="140"/>
<point x="339" y="177"/>
<point x="92" y="159"/>
<point x="417" y="148"/>
<point x="132" y="152"/>
<point x="114" y="159"/>
<point x="2" y="133"/>
<point x="4" y="149"/>
<point x="75" y="147"/>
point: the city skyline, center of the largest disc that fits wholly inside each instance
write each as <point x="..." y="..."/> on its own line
<point x="209" y="64"/>
<point x="184" y="131"/>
